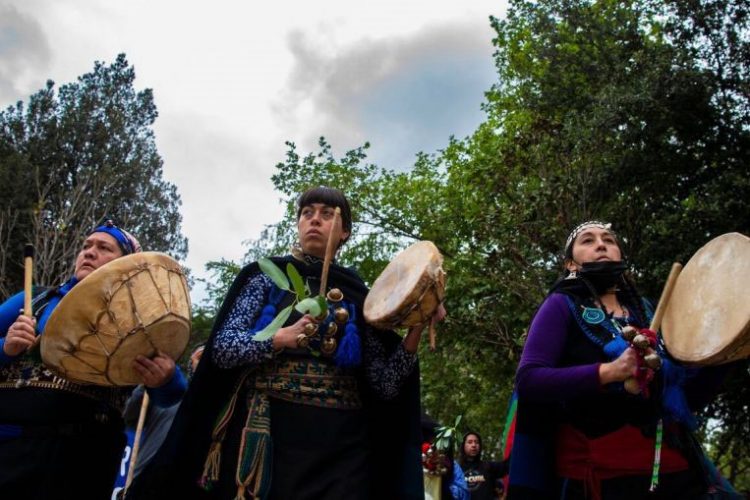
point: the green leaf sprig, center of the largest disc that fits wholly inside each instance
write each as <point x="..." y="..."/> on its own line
<point x="293" y="283"/>
<point x="445" y="435"/>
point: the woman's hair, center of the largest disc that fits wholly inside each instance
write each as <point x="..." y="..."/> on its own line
<point x="331" y="197"/>
<point x="632" y="295"/>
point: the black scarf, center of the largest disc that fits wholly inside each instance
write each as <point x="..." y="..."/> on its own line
<point x="599" y="276"/>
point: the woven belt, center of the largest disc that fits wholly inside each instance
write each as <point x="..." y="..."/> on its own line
<point x="310" y="382"/>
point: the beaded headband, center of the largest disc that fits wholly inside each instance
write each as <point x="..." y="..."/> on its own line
<point x="582" y="227"/>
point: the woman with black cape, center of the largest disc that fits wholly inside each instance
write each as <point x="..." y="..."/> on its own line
<point x="331" y="414"/>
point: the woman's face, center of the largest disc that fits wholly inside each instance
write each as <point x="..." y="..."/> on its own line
<point x="313" y="227"/>
<point x="592" y="245"/>
<point x="98" y="249"/>
<point x="472" y="446"/>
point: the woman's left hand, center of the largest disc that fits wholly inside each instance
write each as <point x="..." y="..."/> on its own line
<point x="155" y="372"/>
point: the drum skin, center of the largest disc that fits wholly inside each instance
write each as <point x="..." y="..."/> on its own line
<point x="409" y="290"/>
<point x="135" y="305"/>
<point x="707" y="320"/>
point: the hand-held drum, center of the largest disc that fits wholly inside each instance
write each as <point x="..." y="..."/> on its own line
<point x="707" y="320"/>
<point x="409" y="290"/>
<point x="135" y="305"/>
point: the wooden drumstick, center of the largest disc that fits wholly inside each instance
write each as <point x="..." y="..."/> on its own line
<point x="666" y="294"/>
<point x="28" y="278"/>
<point x="137" y="439"/>
<point x="28" y="288"/>
<point x="333" y="238"/>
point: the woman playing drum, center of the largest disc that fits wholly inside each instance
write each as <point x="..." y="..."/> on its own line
<point x="580" y="433"/>
<point x="60" y="439"/>
<point x="322" y="410"/>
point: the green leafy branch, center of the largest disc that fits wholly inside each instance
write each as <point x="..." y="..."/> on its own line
<point x="293" y="283"/>
<point x="445" y="435"/>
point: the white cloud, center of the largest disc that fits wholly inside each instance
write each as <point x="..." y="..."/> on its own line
<point x="234" y="80"/>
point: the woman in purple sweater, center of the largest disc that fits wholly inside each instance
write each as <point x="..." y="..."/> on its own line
<point x="579" y="433"/>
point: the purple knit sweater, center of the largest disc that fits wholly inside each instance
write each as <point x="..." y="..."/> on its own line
<point x="539" y="377"/>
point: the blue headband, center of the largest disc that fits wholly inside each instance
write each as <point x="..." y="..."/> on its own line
<point x="118" y="234"/>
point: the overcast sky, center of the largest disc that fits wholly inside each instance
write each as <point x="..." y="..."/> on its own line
<point x="233" y="80"/>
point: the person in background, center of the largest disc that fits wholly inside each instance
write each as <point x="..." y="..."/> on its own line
<point x="482" y="477"/>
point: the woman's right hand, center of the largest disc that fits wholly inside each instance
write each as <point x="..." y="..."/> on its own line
<point x="621" y="369"/>
<point x="21" y="335"/>
<point x="287" y="337"/>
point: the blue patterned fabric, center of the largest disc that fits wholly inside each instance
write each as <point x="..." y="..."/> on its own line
<point x="233" y="347"/>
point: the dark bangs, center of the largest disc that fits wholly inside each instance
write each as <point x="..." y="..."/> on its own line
<point x="327" y="196"/>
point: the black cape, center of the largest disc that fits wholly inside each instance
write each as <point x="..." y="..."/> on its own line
<point x="393" y="425"/>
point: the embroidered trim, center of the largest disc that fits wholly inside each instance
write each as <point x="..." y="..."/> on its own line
<point x="310" y="382"/>
<point x="596" y="333"/>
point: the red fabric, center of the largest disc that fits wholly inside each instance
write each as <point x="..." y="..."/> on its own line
<point x="644" y="374"/>
<point x="650" y="334"/>
<point x="508" y="449"/>
<point x="621" y="453"/>
<point x="509" y="442"/>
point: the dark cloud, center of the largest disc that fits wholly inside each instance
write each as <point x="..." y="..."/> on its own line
<point x="24" y="53"/>
<point x="404" y="95"/>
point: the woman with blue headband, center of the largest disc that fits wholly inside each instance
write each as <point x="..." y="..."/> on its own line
<point x="60" y="439"/>
<point x="596" y="418"/>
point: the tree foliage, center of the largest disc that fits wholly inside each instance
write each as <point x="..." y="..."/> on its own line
<point x="602" y="109"/>
<point x="70" y="157"/>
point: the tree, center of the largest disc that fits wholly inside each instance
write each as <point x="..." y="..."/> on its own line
<point x="602" y="109"/>
<point x="648" y="120"/>
<point x="70" y="157"/>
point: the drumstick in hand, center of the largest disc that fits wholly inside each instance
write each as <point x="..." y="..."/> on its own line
<point x="630" y="384"/>
<point x="28" y="277"/>
<point x="333" y="239"/>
